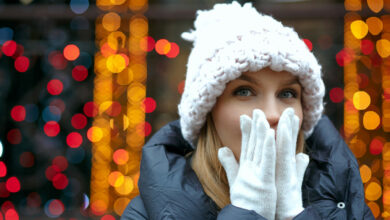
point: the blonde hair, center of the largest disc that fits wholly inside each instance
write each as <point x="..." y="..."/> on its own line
<point x="209" y="170"/>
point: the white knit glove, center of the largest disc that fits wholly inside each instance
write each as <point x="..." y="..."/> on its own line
<point x="252" y="182"/>
<point x="290" y="168"/>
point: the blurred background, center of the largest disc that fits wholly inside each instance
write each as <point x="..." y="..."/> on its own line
<point x="84" y="84"/>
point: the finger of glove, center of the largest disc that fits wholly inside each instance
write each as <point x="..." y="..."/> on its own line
<point x="253" y="135"/>
<point x="295" y="127"/>
<point x="302" y="160"/>
<point x="229" y="163"/>
<point x="245" y="125"/>
<point x="285" y="153"/>
<point x="261" y="127"/>
<point x="267" y="164"/>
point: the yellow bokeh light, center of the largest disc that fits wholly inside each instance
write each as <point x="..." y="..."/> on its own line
<point x="383" y="47"/>
<point x="358" y="147"/>
<point x="95" y="134"/>
<point x="374" y="208"/>
<point x="139" y="27"/>
<point x="127" y="186"/>
<point x="125" y="77"/>
<point x="111" y="21"/>
<point x="375" y="5"/>
<point x="120" y="205"/>
<point x="137" y="4"/>
<point x="116" y="63"/>
<point x="371" y="120"/>
<point x="116" y="179"/>
<point x="116" y="40"/>
<point x="361" y="100"/>
<point x="353" y="5"/>
<point x="136" y="93"/>
<point x="373" y="191"/>
<point x="365" y="173"/>
<point x="375" y="25"/>
<point x="359" y="29"/>
<point x="117" y="2"/>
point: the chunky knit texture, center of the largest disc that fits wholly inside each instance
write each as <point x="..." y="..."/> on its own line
<point x="231" y="39"/>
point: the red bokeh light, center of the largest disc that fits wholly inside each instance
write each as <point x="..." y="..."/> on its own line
<point x="309" y="44"/>
<point x="366" y="46"/>
<point x="149" y="105"/>
<point x="107" y="217"/>
<point x="18" y="113"/>
<point x="60" y="181"/>
<point x="79" y="121"/>
<point x="21" y="64"/>
<point x="51" y="128"/>
<point x="74" y="140"/>
<point x="51" y="171"/>
<point x="13" y="184"/>
<point x="175" y="50"/>
<point x="120" y="156"/>
<point x="18" y="52"/>
<point x="54" y="87"/>
<point x="71" y="52"/>
<point x="144" y="129"/>
<point x="9" y="48"/>
<point x="3" y="169"/>
<point x="345" y="56"/>
<point x="90" y="109"/>
<point x="14" y="136"/>
<point x="11" y="214"/>
<point x="161" y="46"/>
<point x="60" y="162"/>
<point x="114" y="109"/>
<point x="56" y="207"/>
<point x="79" y="73"/>
<point x="147" y="44"/>
<point x="376" y="145"/>
<point x="59" y="103"/>
<point x="106" y="50"/>
<point x="27" y="159"/>
<point x="336" y="95"/>
<point x="57" y="60"/>
<point x="7" y="205"/>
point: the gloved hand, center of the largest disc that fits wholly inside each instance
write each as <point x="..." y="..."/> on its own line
<point x="290" y="168"/>
<point x="252" y="182"/>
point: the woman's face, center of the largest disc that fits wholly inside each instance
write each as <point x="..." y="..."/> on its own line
<point x="268" y="90"/>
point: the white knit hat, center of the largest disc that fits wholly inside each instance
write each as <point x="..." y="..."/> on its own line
<point x="231" y="39"/>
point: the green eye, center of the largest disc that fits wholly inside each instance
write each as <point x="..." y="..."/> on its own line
<point x="242" y="91"/>
<point x="288" y="94"/>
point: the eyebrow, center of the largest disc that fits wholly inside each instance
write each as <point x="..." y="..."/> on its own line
<point x="252" y="80"/>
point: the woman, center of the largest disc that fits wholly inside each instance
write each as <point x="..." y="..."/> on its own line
<point x="253" y="94"/>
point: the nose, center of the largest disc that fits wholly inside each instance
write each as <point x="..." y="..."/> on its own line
<point x="272" y="113"/>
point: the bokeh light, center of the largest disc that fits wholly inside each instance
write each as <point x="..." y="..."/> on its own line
<point x="57" y="60"/>
<point x="18" y="113"/>
<point x="121" y="156"/>
<point x="336" y="95"/>
<point x="371" y="120"/>
<point x="345" y="56"/>
<point x="60" y="181"/>
<point x="14" y="136"/>
<point x="11" y="214"/>
<point x="375" y="25"/>
<point x="94" y="134"/>
<point x="9" y="48"/>
<point x="116" y="178"/>
<point x="162" y="46"/>
<point x="90" y="109"/>
<point x="174" y="50"/>
<point x="55" y="87"/>
<point x="365" y="173"/>
<point x="383" y="47"/>
<point x="71" y="52"/>
<point x="79" y="6"/>
<point x="13" y="184"/>
<point x="79" y="73"/>
<point x="3" y="169"/>
<point x="60" y="162"/>
<point x="79" y="121"/>
<point x="111" y="21"/>
<point x="21" y="64"/>
<point x="375" y="5"/>
<point x="147" y="44"/>
<point x="361" y="100"/>
<point x="373" y="191"/>
<point x="359" y="29"/>
<point x="149" y="105"/>
<point x="74" y="140"/>
<point x="116" y="63"/>
<point x="366" y="47"/>
<point x="54" y="208"/>
<point x="51" y="128"/>
<point x="376" y="145"/>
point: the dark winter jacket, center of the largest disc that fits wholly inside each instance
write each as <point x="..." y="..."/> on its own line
<point x="169" y="188"/>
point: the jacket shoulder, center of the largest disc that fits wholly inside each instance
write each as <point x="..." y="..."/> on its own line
<point x="135" y="210"/>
